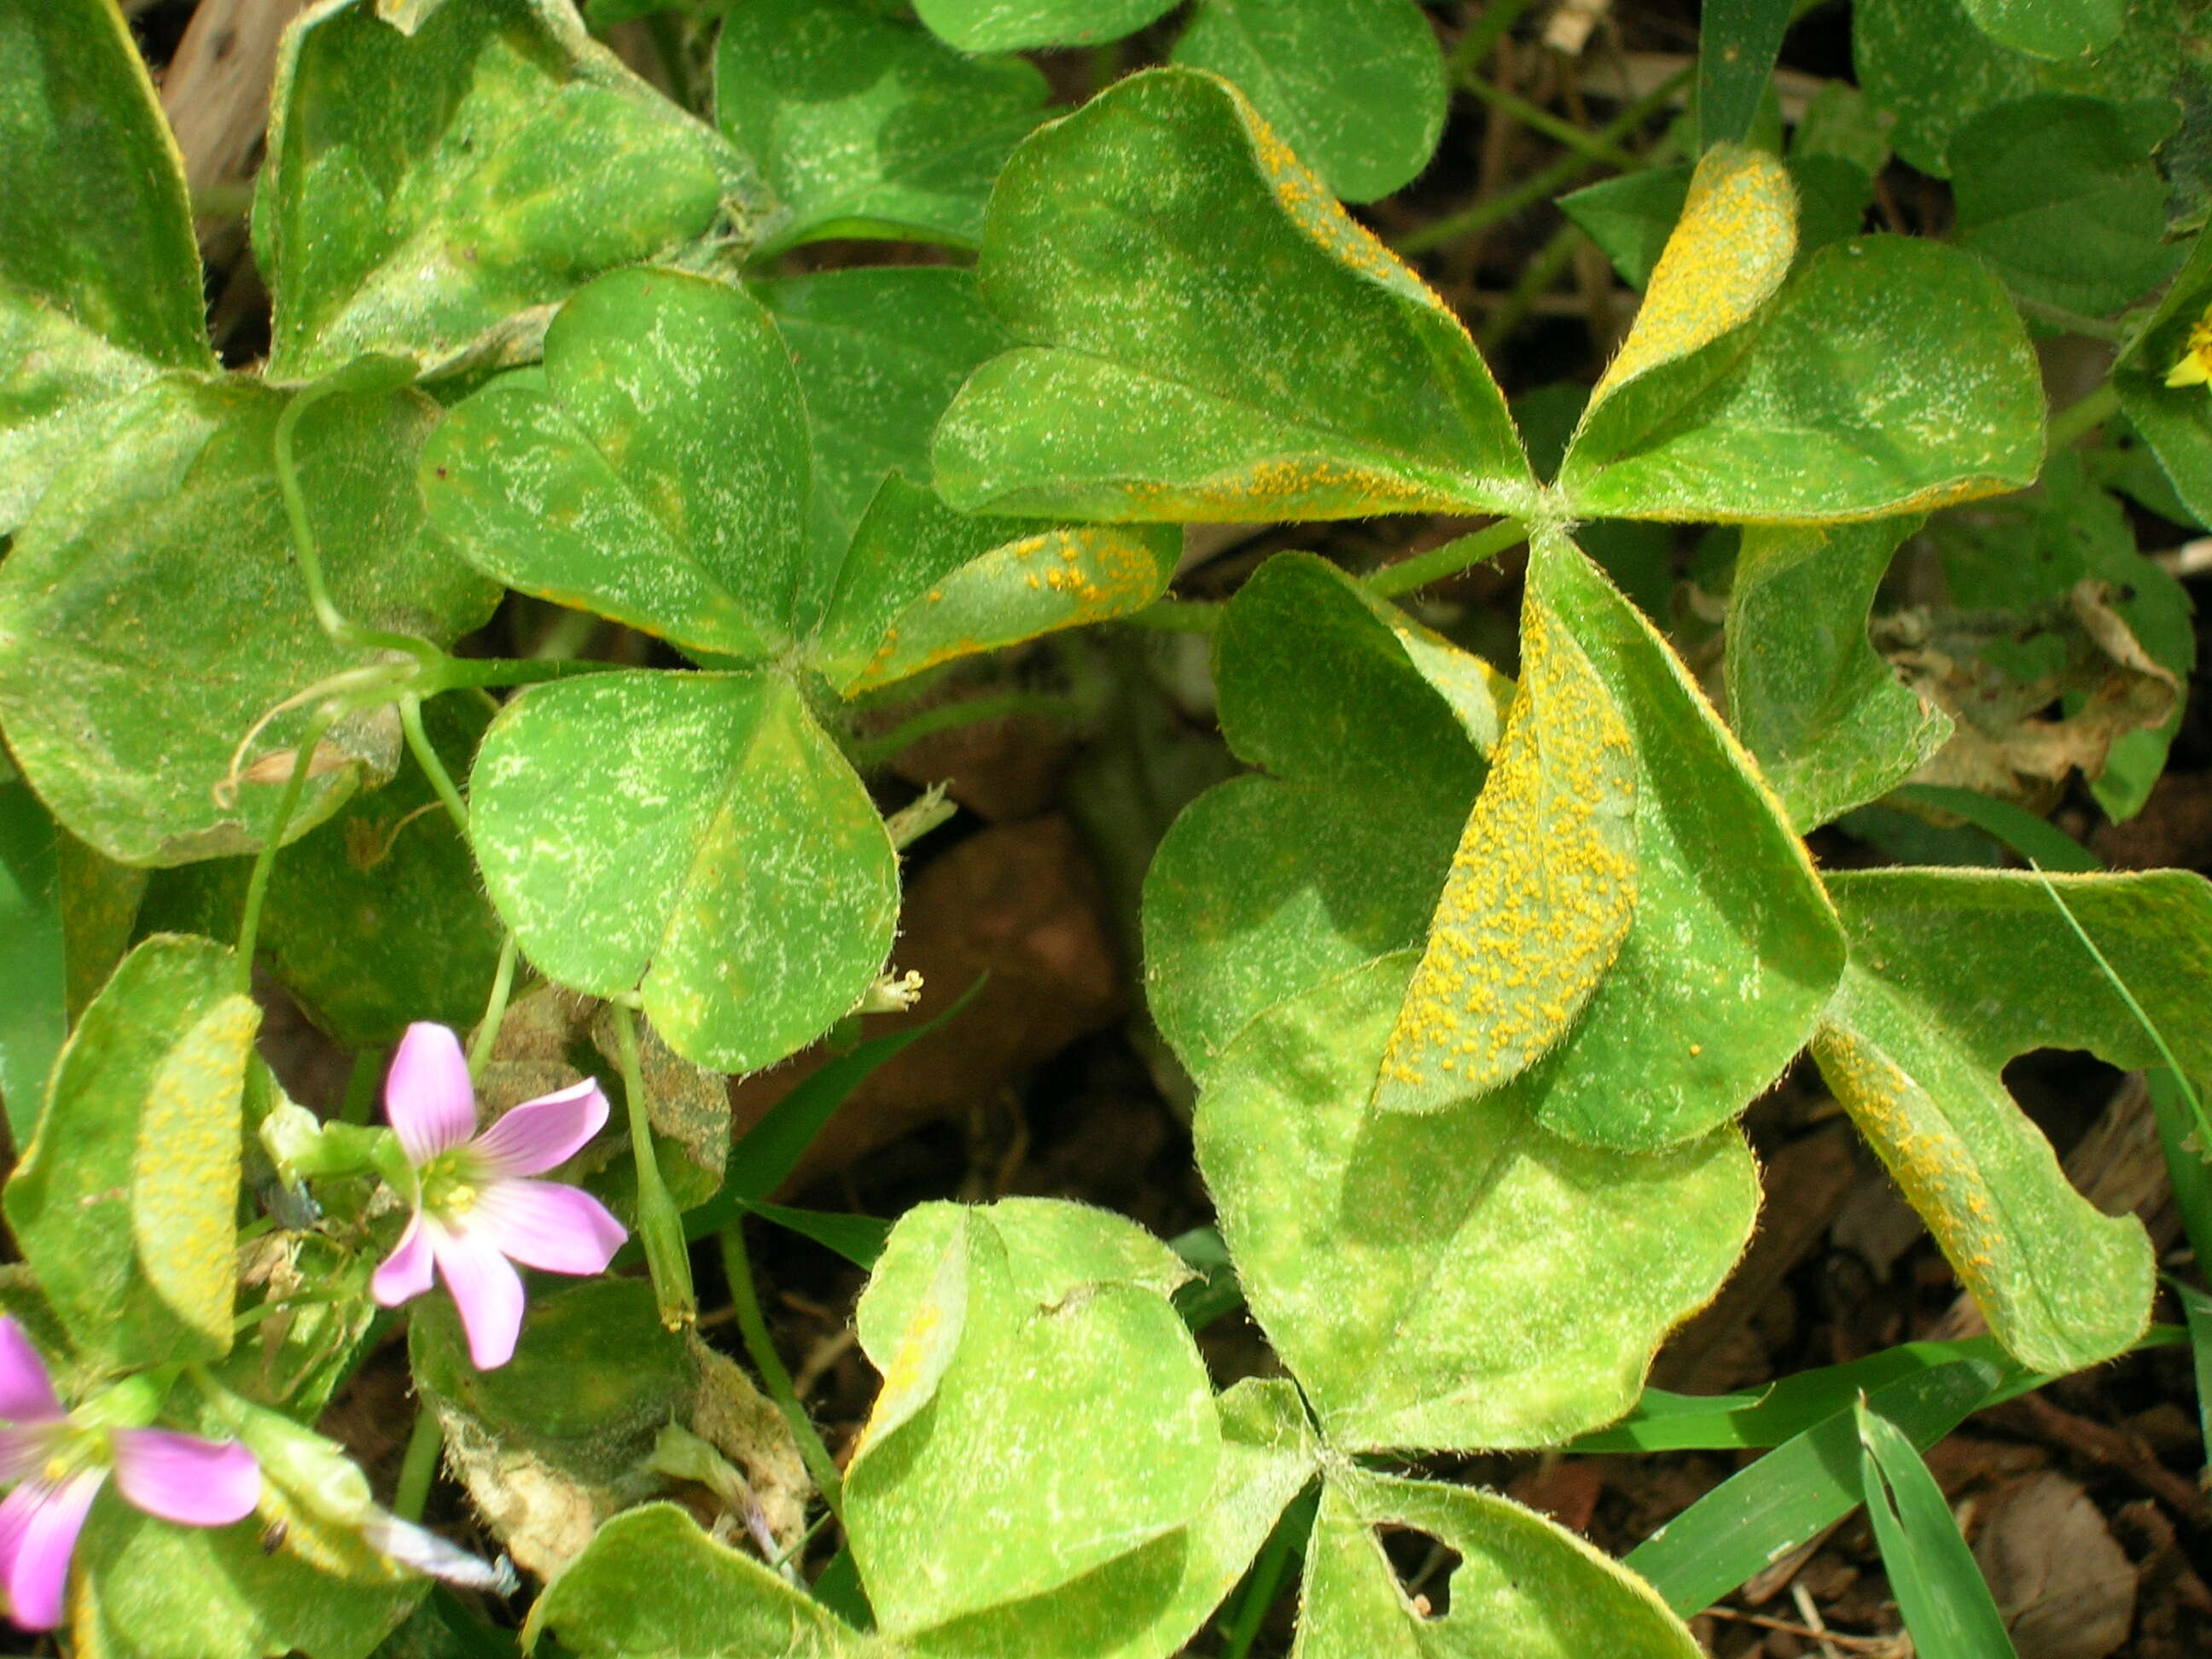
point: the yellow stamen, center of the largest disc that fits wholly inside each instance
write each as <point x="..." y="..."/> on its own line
<point x="2194" y="367"/>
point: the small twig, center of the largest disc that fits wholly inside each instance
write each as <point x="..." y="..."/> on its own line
<point x="1767" y="1621"/>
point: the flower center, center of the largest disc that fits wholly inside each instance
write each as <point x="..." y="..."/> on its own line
<point x="450" y="1182"/>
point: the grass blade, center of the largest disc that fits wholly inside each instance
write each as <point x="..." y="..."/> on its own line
<point x="1946" y="1602"/>
<point x="1760" y="1514"/>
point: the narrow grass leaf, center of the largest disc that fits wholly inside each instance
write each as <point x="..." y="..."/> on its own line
<point x="1758" y="1515"/>
<point x="1946" y="1603"/>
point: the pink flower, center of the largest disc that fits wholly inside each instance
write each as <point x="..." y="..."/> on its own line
<point x="476" y="1215"/>
<point x="61" y="1464"/>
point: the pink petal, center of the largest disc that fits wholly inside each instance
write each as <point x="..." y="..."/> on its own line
<point x="540" y="1133"/>
<point x="542" y="1223"/>
<point x="24" y="1450"/>
<point x="26" y="1394"/>
<point x="39" y="1524"/>
<point x="487" y="1291"/>
<point x="427" y="1098"/>
<point x="406" y="1273"/>
<point x="185" y="1478"/>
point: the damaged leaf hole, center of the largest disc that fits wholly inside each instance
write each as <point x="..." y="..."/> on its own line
<point x="1423" y="1564"/>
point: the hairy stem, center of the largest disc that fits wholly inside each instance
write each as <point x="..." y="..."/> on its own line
<point x="502" y="987"/>
<point x="1448" y="560"/>
<point x="660" y="1224"/>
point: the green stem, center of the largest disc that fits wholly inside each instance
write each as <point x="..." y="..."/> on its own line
<point x="327" y="614"/>
<point x="1535" y="281"/>
<point x="361" y="1086"/>
<point x="2077" y="420"/>
<point x="1448" y="560"/>
<point x="1487" y="31"/>
<point x="425" y="756"/>
<point x="460" y="673"/>
<point x="1532" y="115"/>
<point x="502" y="987"/>
<point x="1178" y="616"/>
<point x="1541" y="185"/>
<point x="420" y="1465"/>
<point x="264" y="862"/>
<point x="951" y="716"/>
<point x="2090" y="328"/>
<point x="659" y="1223"/>
<point x="738" y="1268"/>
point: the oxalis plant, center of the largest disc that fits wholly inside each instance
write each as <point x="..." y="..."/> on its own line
<point x="1473" y="973"/>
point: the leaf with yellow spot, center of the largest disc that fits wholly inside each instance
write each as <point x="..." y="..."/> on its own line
<point x="1207" y="335"/>
<point x="1734" y="946"/>
<point x="1370" y="734"/>
<point x="1542" y="889"/>
<point x="1888" y="374"/>
<point x="1518" y="1583"/>
<point x="1952" y="974"/>
<point x="1449" y="1280"/>
<point x="1043" y="1399"/>
<point x="923" y="585"/>
<point x="125" y="1203"/>
<point x="722" y="848"/>
<point x="1729" y="254"/>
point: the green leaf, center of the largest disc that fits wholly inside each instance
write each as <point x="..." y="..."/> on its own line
<point x="1826" y="716"/>
<point x="1737" y="41"/>
<point x="864" y="123"/>
<point x="923" y="585"/>
<point x="125" y="1203"/>
<point x="1630" y="218"/>
<point x="723" y="850"/>
<point x="1206" y="336"/>
<point x="1927" y="64"/>
<point x="151" y="612"/>
<point x="656" y="470"/>
<point x="33" y="964"/>
<point x="1012" y="25"/>
<point x="1792" y="1404"/>
<point x="423" y="191"/>
<point x="2196" y="1309"/>
<point x="1146" y="1604"/>
<point x="879" y="350"/>
<point x="373" y="920"/>
<point x="1733" y="946"/>
<point x="1841" y="399"/>
<point x="1355" y="86"/>
<point x="1543" y="884"/>
<point x="2049" y="28"/>
<point x="1940" y="1591"/>
<point x="1840" y="121"/>
<point x="1370" y="734"/>
<point x="1523" y="1584"/>
<point x="707" y="1600"/>
<point x="858" y="1238"/>
<point x="1915" y="1044"/>
<point x="2036" y="839"/>
<point x="150" y="1590"/>
<point x="1043" y="1410"/>
<point x="1458" y="1280"/>
<point x="100" y="277"/>
<point x="1759" y="1515"/>
<point x="2059" y="194"/>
